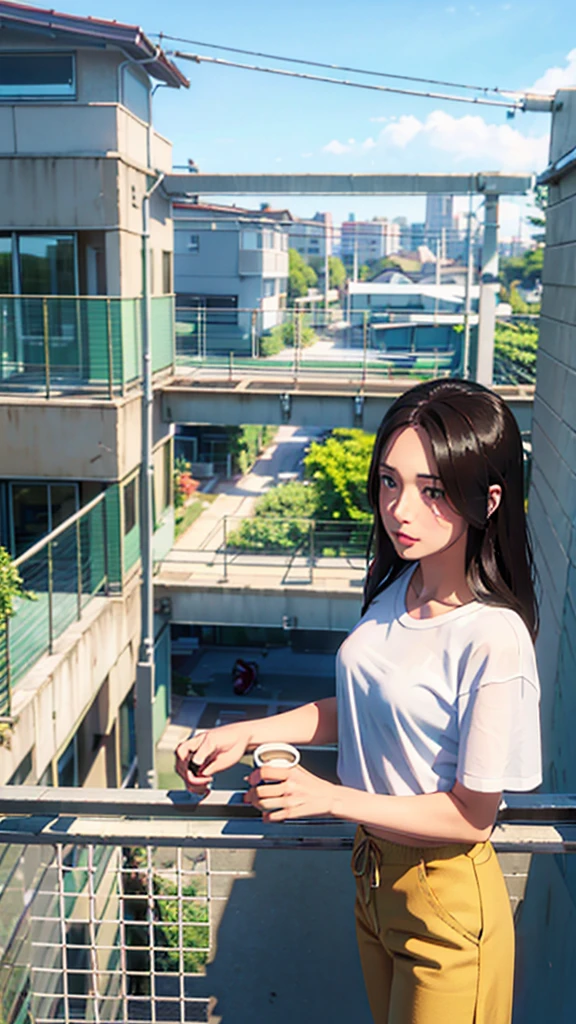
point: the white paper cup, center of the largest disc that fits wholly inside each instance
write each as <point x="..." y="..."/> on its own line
<point x="276" y="755"/>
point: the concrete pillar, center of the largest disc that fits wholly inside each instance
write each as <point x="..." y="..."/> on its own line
<point x="489" y="286"/>
<point x="547" y="926"/>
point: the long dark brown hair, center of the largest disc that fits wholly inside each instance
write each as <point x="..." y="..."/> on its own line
<point x="476" y="443"/>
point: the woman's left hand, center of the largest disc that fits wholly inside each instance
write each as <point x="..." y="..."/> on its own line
<point x="297" y="793"/>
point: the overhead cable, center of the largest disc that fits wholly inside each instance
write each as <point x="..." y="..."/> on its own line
<point x="477" y="100"/>
<point x="340" y="67"/>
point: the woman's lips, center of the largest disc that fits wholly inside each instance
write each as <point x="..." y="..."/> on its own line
<point x="403" y="538"/>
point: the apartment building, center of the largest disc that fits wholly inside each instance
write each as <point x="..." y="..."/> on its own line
<point x="369" y="240"/>
<point x="79" y="162"/>
<point x="314" y="237"/>
<point x="230" y="264"/>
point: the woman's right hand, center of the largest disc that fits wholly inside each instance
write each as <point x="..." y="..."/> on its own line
<point x="210" y="752"/>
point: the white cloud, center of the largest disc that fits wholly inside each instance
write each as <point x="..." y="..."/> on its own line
<point x="495" y="146"/>
<point x="336" y="147"/>
<point x="557" y="78"/>
<point x="469" y="140"/>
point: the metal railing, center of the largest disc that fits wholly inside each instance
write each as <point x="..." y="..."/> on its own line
<point x="132" y="905"/>
<point x="357" y="345"/>
<point x="234" y="546"/>
<point x="56" y="344"/>
<point x="60" y="575"/>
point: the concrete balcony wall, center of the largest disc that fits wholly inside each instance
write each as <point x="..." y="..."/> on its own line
<point x="267" y="262"/>
<point x="95" y="659"/>
<point x="83" y="439"/>
<point x="547" y="929"/>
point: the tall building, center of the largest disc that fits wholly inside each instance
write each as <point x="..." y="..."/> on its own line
<point x="313" y="237"/>
<point x="369" y="240"/>
<point x="442" y="230"/>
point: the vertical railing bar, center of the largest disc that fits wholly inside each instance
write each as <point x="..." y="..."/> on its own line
<point x="312" y="552"/>
<point x="209" y="898"/>
<point x="103" y="506"/>
<point x="364" y="347"/>
<point x="79" y="569"/>
<point x="151" y="937"/>
<point x="180" y="936"/>
<point x="225" y="546"/>
<point x="122" y="924"/>
<point x="92" y="931"/>
<point x="46" y="332"/>
<point x="62" y="908"/>
<point x="110" y="350"/>
<point x="50" y="600"/>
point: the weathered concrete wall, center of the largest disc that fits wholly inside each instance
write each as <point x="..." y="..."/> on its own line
<point x="93" y="660"/>
<point x="80" y="440"/>
<point x="547" y="926"/>
<point x="261" y="606"/>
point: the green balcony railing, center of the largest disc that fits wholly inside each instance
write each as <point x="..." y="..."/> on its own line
<point x="61" y="574"/>
<point x="57" y="344"/>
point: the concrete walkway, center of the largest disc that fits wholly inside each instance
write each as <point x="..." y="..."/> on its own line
<point x="236" y="498"/>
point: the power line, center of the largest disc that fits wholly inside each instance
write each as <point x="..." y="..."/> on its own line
<point x="338" y="67"/>
<point x="478" y="101"/>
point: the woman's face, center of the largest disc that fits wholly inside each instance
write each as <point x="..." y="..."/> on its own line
<point x="415" y="512"/>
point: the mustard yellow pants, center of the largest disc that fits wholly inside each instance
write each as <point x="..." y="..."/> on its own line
<point x="435" y="932"/>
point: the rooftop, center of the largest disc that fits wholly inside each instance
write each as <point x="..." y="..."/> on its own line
<point x="96" y="32"/>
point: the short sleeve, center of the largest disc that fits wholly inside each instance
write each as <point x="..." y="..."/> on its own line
<point x="499" y="736"/>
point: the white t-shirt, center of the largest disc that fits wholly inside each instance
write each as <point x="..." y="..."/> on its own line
<point x="423" y="702"/>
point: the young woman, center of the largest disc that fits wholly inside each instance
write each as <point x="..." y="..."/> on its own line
<point x="436" y="711"/>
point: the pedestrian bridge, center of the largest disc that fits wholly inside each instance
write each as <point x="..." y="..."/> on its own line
<point x="233" y="393"/>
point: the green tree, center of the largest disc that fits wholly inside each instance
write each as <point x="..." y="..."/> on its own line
<point x="337" y="272"/>
<point x="538" y="220"/>
<point x="339" y="470"/>
<point x="524" y="270"/>
<point x="301" y="277"/>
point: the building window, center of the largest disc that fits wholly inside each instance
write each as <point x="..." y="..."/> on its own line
<point x="268" y="287"/>
<point x="127" y="728"/>
<point x="251" y="239"/>
<point x="33" y="75"/>
<point x="194" y="243"/>
<point x="167" y="273"/>
<point x="130" y="511"/>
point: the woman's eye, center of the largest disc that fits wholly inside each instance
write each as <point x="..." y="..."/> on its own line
<point x="387" y="481"/>
<point x="435" y="493"/>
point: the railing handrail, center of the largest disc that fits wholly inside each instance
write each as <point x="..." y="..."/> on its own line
<point x="529" y="823"/>
<point x="50" y="537"/>
<point x="91" y="298"/>
<point x="169" y="803"/>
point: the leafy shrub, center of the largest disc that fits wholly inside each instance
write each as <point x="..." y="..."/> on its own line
<point x="284" y="336"/>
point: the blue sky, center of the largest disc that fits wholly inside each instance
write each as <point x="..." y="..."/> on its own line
<point x="232" y="120"/>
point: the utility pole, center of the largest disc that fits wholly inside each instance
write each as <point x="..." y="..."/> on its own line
<point x="326" y="267"/>
<point x="437" y="278"/>
<point x="488" y="289"/>
<point x="145" y="689"/>
<point x="355" y="264"/>
<point x="467" y="300"/>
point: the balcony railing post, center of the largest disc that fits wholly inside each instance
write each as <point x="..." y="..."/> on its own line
<point x="103" y="506"/>
<point x="225" y="543"/>
<point x="231" y="367"/>
<point x="110" y="350"/>
<point x="253" y="334"/>
<point x="46" y="334"/>
<point x="364" y="345"/>
<point x="78" y="570"/>
<point x="50" y="599"/>
<point x="312" y="552"/>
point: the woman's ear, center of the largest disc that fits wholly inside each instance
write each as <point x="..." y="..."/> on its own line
<point x="494" y="498"/>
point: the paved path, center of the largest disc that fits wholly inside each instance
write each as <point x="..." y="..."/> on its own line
<point x="237" y="498"/>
